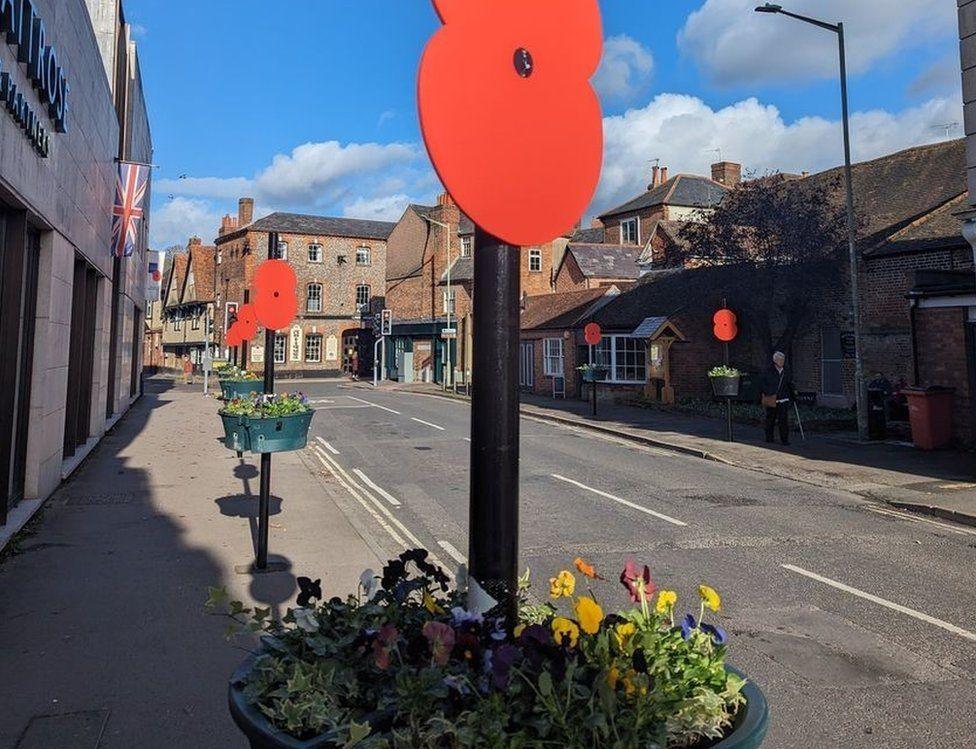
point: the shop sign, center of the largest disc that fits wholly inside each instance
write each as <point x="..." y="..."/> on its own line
<point x="25" y="30"/>
<point x="331" y="348"/>
<point x="295" y="343"/>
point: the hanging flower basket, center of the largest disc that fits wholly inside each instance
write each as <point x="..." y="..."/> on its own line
<point x="725" y="381"/>
<point x="266" y="424"/>
<point x="330" y="672"/>
<point x="594" y="372"/>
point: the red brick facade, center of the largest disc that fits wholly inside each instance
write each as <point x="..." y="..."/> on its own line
<point x="945" y="358"/>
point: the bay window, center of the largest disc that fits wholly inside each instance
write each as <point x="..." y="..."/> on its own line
<point x="624" y="356"/>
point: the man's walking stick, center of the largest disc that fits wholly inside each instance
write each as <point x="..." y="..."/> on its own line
<point x="799" y="421"/>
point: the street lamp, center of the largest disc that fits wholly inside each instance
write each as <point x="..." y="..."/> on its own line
<point x="838" y="28"/>
<point x="449" y="303"/>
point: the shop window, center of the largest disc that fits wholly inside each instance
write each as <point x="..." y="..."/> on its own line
<point x="314" y="301"/>
<point x="280" y="346"/>
<point x="313" y="348"/>
<point x="625" y="357"/>
<point x="552" y="356"/>
<point x="362" y="298"/>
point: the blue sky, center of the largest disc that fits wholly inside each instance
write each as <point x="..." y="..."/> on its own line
<point x="309" y="105"/>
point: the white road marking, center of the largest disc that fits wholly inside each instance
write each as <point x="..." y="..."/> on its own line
<point x="618" y="500"/>
<point x="883" y="602"/>
<point x="323" y="400"/>
<point x="388" y="522"/>
<point x="466" y="439"/>
<point x="328" y="446"/>
<point x="426" y="423"/>
<point x="382" y="492"/>
<point x="452" y="552"/>
<point x="926" y="521"/>
<point x="374" y="405"/>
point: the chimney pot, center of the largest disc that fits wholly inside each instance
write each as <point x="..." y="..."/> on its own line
<point x="195" y="241"/>
<point x="664" y="175"/>
<point x="445" y="199"/>
<point x="245" y="211"/>
<point x="655" y="177"/>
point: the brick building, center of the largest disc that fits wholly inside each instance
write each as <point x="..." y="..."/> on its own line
<point x="341" y="268"/>
<point x="189" y="305"/>
<point x="594" y="266"/>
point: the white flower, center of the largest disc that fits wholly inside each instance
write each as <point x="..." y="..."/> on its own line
<point x="370" y="584"/>
<point x="305" y="619"/>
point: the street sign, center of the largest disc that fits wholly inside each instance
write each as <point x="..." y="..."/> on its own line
<point x="592" y="334"/>
<point x="386" y="328"/>
<point x="449" y="333"/>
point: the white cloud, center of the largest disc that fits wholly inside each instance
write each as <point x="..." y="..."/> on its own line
<point x="682" y="130"/>
<point x="625" y="70"/>
<point x="319" y="174"/>
<point x="735" y="45"/>
<point x="941" y="77"/>
<point x="382" y="208"/>
<point x="173" y="222"/>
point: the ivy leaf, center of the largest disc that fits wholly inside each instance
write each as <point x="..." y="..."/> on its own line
<point x="216" y="597"/>
<point x="357" y="733"/>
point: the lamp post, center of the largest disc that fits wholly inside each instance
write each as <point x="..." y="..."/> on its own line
<point x="449" y="303"/>
<point x="838" y="28"/>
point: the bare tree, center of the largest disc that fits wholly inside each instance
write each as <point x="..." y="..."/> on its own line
<point x="788" y="236"/>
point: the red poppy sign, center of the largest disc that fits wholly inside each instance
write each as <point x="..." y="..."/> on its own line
<point x="275" y="299"/>
<point x="510" y="120"/>
<point x="725" y="325"/>
<point x="592" y="334"/>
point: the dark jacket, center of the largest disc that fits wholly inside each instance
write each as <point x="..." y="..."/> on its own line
<point x="782" y="387"/>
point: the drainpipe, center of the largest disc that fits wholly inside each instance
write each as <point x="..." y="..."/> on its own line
<point x="913" y="306"/>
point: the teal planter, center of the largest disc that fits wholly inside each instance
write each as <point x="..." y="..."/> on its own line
<point x="231" y="389"/>
<point x="598" y="374"/>
<point x="268" y="435"/>
<point x="752" y="722"/>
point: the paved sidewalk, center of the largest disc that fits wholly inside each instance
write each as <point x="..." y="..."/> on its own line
<point x="101" y="613"/>
<point x="941" y="483"/>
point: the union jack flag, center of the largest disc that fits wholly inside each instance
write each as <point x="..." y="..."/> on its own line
<point x="130" y="192"/>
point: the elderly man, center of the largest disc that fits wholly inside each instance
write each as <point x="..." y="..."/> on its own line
<point x="777" y="392"/>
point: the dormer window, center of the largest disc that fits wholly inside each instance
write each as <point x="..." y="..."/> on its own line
<point x="630" y="231"/>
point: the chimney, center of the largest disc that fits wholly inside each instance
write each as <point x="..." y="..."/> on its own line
<point x="227" y="224"/>
<point x="655" y="177"/>
<point x="727" y="173"/>
<point x="195" y="242"/>
<point x="245" y="211"/>
<point x="664" y="175"/>
<point x="596" y="224"/>
<point x="445" y="199"/>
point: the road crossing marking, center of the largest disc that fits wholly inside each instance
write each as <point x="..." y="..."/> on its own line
<point x="452" y="552"/>
<point x="883" y="602"/>
<point x="382" y="492"/>
<point x="618" y="500"/>
<point x="426" y="423"/>
<point x="388" y="522"/>
<point x="328" y="446"/>
<point x="926" y="521"/>
<point x="374" y="405"/>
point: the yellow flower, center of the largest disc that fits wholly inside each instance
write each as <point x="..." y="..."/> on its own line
<point x="562" y="585"/>
<point x="589" y="615"/>
<point x="710" y="598"/>
<point x="430" y="603"/>
<point x="628" y="682"/>
<point x="665" y="601"/>
<point x="623" y="632"/>
<point x="613" y="676"/>
<point x="565" y="631"/>
<point x="519" y="629"/>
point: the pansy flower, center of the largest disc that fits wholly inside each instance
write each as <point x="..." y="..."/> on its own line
<point x="665" y="601"/>
<point x="441" y="639"/>
<point x="688" y="626"/>
<point x="622" y="634"/>
<point x="505" y="656"/>
<point x="718" y="635"/>
<point x="637" y="582"/>
<point x="565" y="631"/>
<point x="709" y="597"/>
<point x="562" y="585"/>
<point x="586" y="569"/>
<point x="589" y="615"/>
<point x="383" y="645"/>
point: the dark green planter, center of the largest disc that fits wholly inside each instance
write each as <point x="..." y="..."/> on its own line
<point x="748" y="730"/>
<point x="598" y="374"/>
<point x="725" y="387"/>
<point x="256" y="435"/>
<point x="231" y="389"/>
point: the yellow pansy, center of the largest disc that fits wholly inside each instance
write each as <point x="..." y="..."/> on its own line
<point x="613" y="676"/>
<point x="430" y="603"/>
<point x="623" y="632"/>
<point x="565" y="631"/>
<point x="709" y="597"/>
<point x="665" y="601"/>
<point x="562" y="585"/>
<point x="589" y="615"/>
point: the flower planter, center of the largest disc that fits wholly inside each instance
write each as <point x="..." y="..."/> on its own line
<point x="725" y="387"/>
<point x="266" y="435"/>
<point x="231" y="389"/>
<point x="748" y="730"/>
<point x="597" y="374"/>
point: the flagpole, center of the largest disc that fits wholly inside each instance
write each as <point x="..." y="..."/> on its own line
<point x="136" y="163"/>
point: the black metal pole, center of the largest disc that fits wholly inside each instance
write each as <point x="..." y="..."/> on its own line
<point x="593" y="387"/>
<point x="265" y="495"/>
<point x="494" y="502"/>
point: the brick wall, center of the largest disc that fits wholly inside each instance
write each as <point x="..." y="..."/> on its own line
<point x="944" y="359"/>
<point x="570" y="276"/>
<point x="611" y="224"/>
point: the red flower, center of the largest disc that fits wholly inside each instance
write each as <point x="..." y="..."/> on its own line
<point x="508" y="114"/>
<point x="247" y="322"/>
<point x="275" y="300"/>
<point x="633" y="580"/>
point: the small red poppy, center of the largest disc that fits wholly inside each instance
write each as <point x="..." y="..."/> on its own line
<point x="508" y="114"/>
<point x="275" y="299"/>
<point x="247" y="322"/>
<point x="724" y="325"/>
<point x="232" y="338"/>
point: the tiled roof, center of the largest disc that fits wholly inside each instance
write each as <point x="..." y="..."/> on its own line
<point x="593" y="235"/>
<point x="670" y="229"/>
<point x="606" y="260"/>
<point x="682" y="189"/>
<point x="554" y="311"/>
<point x="177" y="277"/>
<point x="938" y="229"/>
<point x="462" y="269"/>
<point x="322" y="226"/>
<point x="203" y="261"/>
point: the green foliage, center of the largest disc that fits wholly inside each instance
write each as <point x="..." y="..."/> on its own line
<point x="267" y="407"/>
<point x="236" y="374"/>
<point x="724" y="371"/>
<point x="405" y="666"/>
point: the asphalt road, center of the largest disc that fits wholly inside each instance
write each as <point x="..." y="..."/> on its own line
<point x="858" y="622"/>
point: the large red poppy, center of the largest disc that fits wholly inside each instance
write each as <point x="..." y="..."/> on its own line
<point x="508" y="114"/>
<point x="247" y="322"/>
<point x="275" y="299"/>
<point x="725" y="325"/>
